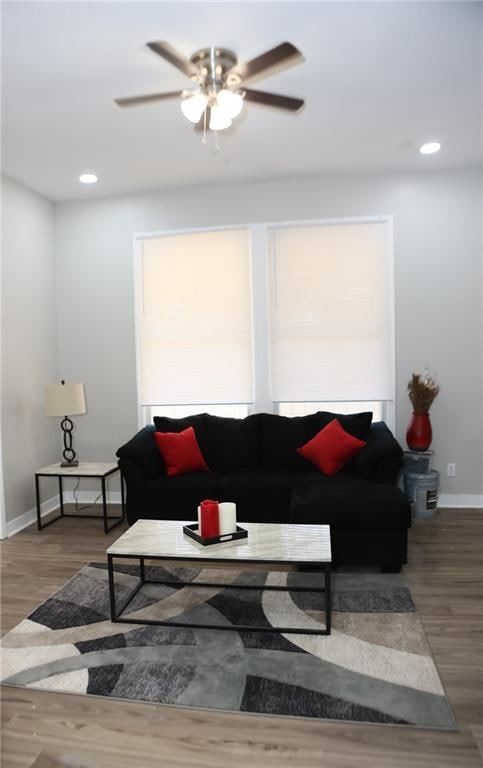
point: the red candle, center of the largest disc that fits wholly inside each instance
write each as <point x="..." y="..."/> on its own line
<point x="210" y="526"/>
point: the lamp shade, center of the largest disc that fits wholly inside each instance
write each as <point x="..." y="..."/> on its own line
<point x="64" y="400"/>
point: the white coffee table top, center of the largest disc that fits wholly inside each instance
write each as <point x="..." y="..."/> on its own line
<point x="85" y="469"/>
<point x="279" y="542"/>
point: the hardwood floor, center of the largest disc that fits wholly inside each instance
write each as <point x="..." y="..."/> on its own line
<point x="51" y="730"/>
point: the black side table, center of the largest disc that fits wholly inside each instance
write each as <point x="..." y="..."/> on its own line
<point x="84" y="469"/>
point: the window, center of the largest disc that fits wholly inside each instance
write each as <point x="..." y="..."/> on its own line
<point x="289" y="318"/>
<point x="330" y="308"/>
<point x="194" y="324"/>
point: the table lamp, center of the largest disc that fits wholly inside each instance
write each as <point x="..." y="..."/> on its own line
<point x="66" y="400"/>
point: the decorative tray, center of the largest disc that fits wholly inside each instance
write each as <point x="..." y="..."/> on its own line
<point x="191" y="530"/>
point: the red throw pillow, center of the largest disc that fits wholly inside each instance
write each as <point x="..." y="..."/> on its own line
<point x="181" y="452"/>
<point x="331" y="448"/>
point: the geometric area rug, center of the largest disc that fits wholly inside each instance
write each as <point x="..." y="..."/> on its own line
<point x="375" y="667"/>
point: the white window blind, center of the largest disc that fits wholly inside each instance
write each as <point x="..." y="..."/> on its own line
<point x="331" y="312"/>
<point x="194" y="335"/>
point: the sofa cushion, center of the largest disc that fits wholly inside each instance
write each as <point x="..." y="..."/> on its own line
<point x="233" y="443"/>
<point x="282" y="435"/>
<point x="331" y="448"/>
<point x="261" y="512"/>
<point x="167" y="424"/>
<point x="357" y="424"/>
<point x="181" y="452"/>
<point x="348" y="503"/>
<point x="184" y="491"/>
<point x="255" y="485"/>
<point x="381" y="459"/>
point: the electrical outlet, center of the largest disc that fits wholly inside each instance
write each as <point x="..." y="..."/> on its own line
<point x="451" y="470"/>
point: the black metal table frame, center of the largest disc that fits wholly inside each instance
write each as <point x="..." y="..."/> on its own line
<point x="116" y="612"/>
<point x="102" y="478"/>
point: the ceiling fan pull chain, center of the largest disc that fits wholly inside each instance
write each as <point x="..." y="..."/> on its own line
<point x="203" y="140"/>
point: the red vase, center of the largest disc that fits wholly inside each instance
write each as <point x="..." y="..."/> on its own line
<point x="419" y="433"/>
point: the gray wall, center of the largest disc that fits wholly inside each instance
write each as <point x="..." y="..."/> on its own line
<point x="438" y="292"/>
<point x="29" y="343"/>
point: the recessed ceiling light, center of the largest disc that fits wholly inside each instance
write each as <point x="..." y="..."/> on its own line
<point x="430" y="148"/>
<point x="88" y="178"/>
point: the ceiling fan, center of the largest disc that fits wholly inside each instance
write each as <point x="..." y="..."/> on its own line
<point x="219" y="83"/>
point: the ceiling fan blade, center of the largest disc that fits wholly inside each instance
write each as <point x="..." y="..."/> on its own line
<point x="274" y="100"/>
<point x="133" y="101"/>
<point x="280" y="57"/>
<point x="166" y="51"/>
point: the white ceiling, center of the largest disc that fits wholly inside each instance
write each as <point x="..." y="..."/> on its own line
<point x="379" y="79"/>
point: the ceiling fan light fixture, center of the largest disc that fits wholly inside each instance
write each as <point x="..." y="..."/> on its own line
<point x="218" y="83"/>
<point x="219" y="118"/>
<point x="231" y="103"/>
<point x="193" y="106"/>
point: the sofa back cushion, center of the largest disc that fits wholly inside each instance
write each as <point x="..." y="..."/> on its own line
<point x="262" y="440"/>
<point x="356" y="424"/>
<point x="233" y="443"/>
<point x="282" y="435"/>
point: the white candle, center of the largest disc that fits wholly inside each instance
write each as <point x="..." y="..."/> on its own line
<point x="227" y="518"/>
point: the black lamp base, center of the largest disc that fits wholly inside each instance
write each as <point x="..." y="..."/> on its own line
<point x="68" y="453"/>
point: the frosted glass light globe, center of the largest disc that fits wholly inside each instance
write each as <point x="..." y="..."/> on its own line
<point x="219" y="119"/>
<point x="194" y="106"/>
<point x="231" y="103"/>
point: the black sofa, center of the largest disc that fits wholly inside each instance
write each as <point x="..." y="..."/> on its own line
<point x="254" y="462"/>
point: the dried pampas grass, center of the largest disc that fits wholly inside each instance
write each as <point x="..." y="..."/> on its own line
<point x="422" y="392"/>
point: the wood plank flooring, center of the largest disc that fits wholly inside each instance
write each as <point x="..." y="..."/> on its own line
<point x="50" y="730"/>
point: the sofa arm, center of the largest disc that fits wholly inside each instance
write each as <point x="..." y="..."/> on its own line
<point x="142" y="451"/>
<point x="381" y="458"/>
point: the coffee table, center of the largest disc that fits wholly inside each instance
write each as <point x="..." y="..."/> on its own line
<point x="266" y="544"/>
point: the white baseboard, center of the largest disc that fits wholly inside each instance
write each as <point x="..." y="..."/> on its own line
<point x="84" y="497"/>
<point x="461" y="500"/>
<point x="23" y="521"/>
